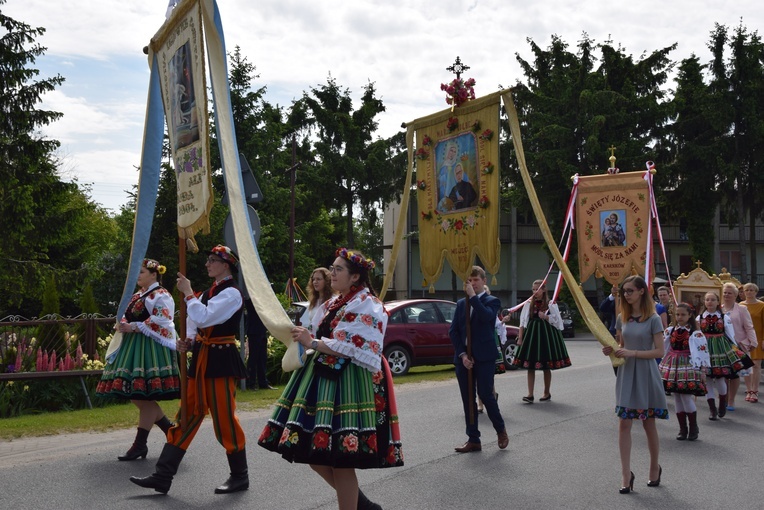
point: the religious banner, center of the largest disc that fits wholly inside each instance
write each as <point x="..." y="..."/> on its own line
<point x="457" y="167"/>
<point x="613" y="220"/>
<point x="179" y="48"/>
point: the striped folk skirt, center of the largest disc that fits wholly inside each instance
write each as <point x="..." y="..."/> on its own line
<point x="348" y="423"/>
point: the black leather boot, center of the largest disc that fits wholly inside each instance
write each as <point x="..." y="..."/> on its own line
<point x="166" y="467"/>
<point x="164" y="424"/>
<point x="694" y="430"/>
<point x="239" y="479"/>
<point x="682" y="419"/>
<point x="139" y="448"/>
<point x="722" y="405"/>
<point x="365" y="503"/>
<point x="712" y="408"/>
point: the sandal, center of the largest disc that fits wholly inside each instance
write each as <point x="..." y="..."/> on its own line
<point x="754" y="397"/>
<point x="747" y="396"/>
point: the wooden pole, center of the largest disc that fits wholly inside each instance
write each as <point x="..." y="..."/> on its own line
<point x="183" y="357"/>
<point x="470" y="377"/>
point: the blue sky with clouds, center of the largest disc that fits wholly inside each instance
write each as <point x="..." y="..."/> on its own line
<point x="403" y="46"/>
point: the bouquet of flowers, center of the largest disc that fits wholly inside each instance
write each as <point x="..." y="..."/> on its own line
<point x="459" y="91"/>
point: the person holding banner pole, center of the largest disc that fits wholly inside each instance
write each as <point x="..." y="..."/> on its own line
<point x="213" y="320"/>
<point x="639" y="388"/>
<point x="481" y="361"/>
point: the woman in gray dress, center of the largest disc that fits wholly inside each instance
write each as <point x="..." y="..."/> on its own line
<point x="639" y="389"/>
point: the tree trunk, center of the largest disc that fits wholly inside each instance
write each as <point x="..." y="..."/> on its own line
<point x="752" y="244"/>
<point x="349" y="225"/>
<point x="741" y="230"/>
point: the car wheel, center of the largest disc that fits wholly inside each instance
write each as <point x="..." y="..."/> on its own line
<point x="399" y="360"/>
<point x="510" y="350"/>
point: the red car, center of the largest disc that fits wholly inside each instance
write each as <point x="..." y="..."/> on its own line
<point x="417" y="334"/>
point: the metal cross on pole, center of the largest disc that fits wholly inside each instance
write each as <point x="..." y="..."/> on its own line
<point x="457" y="67"/>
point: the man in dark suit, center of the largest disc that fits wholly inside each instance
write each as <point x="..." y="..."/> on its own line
<point x="484" y="309"/>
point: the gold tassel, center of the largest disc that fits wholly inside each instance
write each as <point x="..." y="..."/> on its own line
<point x="494" y="281"/>
<point x="432" y="289"/>
<point x="191" y="245"/>
<point x="597" y="273"/>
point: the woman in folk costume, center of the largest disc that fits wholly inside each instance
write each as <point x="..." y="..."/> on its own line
<point x="144" y="368"/>
<point x="540" y="343"/>
<point x="319" y="294"/>
<point x="213" y="319"/>
<point x="725" y="356"/>
<point x="338" y="412"/>
<point x="682" y="368"/>
<point x="639" y="393"/>
<point x="755" y="307"/>
<point x="744" y="337"/>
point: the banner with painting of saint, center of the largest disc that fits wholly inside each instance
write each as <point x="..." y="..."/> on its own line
<point x="612" y="218"/>
<point x="179" y="47"/>
<point x="458" y="188"/>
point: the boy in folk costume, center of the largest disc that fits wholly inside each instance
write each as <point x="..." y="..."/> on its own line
<point x="213" y="320"/>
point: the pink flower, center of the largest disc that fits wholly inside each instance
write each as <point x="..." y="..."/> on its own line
<point x="350" y="442"/>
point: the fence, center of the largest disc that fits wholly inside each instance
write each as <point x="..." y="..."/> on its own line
<point x="24" y="342"/>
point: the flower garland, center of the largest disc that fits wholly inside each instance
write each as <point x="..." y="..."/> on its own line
<point x="356" y="258"/>
<point x="154" y="265"/>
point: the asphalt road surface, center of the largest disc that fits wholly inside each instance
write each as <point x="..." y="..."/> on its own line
<point x="562" y="454"/>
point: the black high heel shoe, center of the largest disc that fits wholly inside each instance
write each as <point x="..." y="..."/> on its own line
<point x="135" y="452"/>
<point x="655" y="483"/>
<point x="626" y="490"/>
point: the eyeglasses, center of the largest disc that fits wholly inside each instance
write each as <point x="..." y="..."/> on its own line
<point x="212" y="259"/>
<point x="336" y="269"/>
<point x="628" y="292"/>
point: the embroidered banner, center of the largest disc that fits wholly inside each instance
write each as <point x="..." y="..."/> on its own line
<point x="612" y="218"/>
<point x="457" y="160"/>
<point x="179" y="47"/>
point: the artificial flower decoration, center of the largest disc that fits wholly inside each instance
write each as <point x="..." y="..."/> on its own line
<point x="464" y="156"/>
<point x="486" y="135"/>
<point x="422" y="153"/>
<point x="426" y="141"/>
<point x="483" y="202"/>
<point x="355" y="258"/>
<point x="426" y="215"/>
<point x="459" y="91"/>
<point x="488" y="168"/>
<point x="476" y="126"/>
<point x="452" y="123"/>
<point x="421" y="185"/>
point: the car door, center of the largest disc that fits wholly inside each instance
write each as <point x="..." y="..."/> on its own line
<point x="428" y="332"/>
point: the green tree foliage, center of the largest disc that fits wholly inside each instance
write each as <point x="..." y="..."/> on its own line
<point x="573" y="106"/>
<point x="737" y="83"/>
<point x="697" y="150"/>
<point x="50" y="227"/>
<point x="348" y="169"/>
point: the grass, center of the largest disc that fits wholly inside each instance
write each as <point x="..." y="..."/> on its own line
<point x="123" y="416"/>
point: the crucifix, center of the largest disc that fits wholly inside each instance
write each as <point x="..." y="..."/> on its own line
<point x="457" y="67"/>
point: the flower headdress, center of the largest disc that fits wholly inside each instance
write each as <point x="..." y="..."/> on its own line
<point x="154" y="266"/>
<point x="356" y="259"/>
<point x="225" y="253"/>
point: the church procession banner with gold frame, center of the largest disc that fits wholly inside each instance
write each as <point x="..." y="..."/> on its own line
<point x="612" y="219"/>
<point x="179" y="47"/>
<point x="458" y="188"/>
<point x="185" y="25"/>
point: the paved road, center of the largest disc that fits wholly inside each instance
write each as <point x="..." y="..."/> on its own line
<point x="562" y="454"/>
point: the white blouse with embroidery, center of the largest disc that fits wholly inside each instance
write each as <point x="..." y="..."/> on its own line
<point x="161" y="307"/>
<point x="359" y="329"/>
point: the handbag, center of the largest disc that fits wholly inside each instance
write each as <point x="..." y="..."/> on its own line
<point x="329" y="366"/>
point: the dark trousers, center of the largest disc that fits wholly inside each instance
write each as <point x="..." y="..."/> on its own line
<point x="483" y="372"/>
<point x="257" y="342"/>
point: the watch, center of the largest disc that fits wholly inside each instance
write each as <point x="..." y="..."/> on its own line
<point x="314" y="344"/>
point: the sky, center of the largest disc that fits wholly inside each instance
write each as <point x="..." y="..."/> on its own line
<point x="402" y="46"/>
